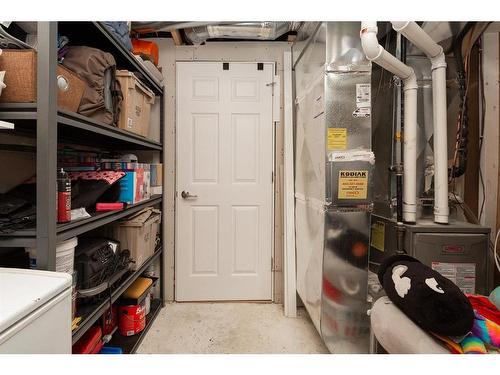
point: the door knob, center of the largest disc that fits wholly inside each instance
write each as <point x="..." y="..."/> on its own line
<point x="186" y="195"/>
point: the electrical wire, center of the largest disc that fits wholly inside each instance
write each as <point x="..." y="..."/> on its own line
<point x="482" y="121"/>
<point x="471" y="36"/>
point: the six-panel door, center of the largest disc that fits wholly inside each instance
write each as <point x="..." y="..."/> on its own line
<point x="224" y="181"/>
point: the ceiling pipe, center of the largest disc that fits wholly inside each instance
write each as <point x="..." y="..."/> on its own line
<point x="377" y="54"/>
<point x="434" y="52"/>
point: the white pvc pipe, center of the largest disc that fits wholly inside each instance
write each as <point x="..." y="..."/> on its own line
<point x="377" y="54"/>
<point x="398" y="334"/>
<point x="434" y="52"/>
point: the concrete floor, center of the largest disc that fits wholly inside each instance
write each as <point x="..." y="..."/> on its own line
<point x="230" y="328"/>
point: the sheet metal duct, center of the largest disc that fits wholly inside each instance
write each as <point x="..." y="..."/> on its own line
<point x="147" y="27"/>
<point x="242" y="30"/>
<point x="333" y="164"/>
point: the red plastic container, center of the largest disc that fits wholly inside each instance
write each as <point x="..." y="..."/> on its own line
<point x="90" y="343"/>
<point x="131" y="319"/>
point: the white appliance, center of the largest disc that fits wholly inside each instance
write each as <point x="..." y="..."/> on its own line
<point x="35" y="312"/>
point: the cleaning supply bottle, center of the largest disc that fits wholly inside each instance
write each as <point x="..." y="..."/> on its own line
<point x="63" y="197"/>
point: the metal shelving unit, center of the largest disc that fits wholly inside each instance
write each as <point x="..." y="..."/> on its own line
<point x="49" y="125"/>
<point x="27" y="238"/>
<point x="92" y="312"/>
<point x="129" y="344"/>
<point x="72" y="126"/>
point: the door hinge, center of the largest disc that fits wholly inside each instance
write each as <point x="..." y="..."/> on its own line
<point x="272" y="264"/>
<point x="272" y="177"/>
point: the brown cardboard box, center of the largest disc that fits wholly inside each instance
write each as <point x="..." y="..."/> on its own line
<point x="136" y="105"/>
<point x="138" y="235"/>
<point x="20" y="79"/>
<point x="156" y="174"/>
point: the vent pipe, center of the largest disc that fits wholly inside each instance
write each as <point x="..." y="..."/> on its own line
<point x="377" y="54"/>
<point x="434" y="52"/>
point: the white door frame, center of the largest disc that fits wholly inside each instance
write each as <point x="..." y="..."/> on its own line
<point x="289" y="259"/>
<point x="275" y="120"/>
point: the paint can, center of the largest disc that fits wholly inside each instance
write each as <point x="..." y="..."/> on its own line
<point x="132" y="319"/>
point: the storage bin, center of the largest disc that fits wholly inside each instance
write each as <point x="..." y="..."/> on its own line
<point x="154" y="121"/>
<point x="146" y="49"/>
<point x="138" y="234"/>
<point x="111" y="350"/>
<point x="137" y="293"/>
<point x="65" y="255"/>
<point x="136" y="105"/>
<point x="20" y="79"/>
<point x="90" y="343"/>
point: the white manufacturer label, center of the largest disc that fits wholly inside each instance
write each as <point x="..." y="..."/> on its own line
<point x="462" y="274"/>
<point x="362" y="112"/>
<point x="363" y="95"/>
<point x="130" y="123"/>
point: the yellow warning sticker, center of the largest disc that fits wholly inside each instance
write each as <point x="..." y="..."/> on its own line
<point x="378" y="235"/>
<point x="353" y="184"/>
<point x="337" y="138"/>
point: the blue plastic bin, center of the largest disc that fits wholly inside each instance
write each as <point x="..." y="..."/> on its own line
<point x="111" y="350"/>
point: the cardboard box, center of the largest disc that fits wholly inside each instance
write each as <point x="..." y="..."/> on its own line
<point x="138" y="234"/>
<point x="156" y="190"/>
<point x="128" y="188"/>
<point x="156" y="174"/>
<point x="136" y="105"/>
<point x="135" y="186"/>
<point x="21" y="84"/>
<point x="146" y="185"/>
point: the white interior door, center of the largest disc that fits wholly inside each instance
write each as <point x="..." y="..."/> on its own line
<point x="225" y="164"/>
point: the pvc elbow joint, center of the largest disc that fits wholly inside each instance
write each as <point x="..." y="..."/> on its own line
<point x="399" y="25"/>
<point x="438" y="61"/>
<point x="369" y="42"/>
<point x="410" y="82"/>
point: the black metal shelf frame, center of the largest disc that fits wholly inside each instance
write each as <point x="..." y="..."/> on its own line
<point x="99" y="309"/>
<point x="27" y="238"/>
<point x="28" y="112"/>
<point x="47" y="115"/>
<point x="132" y="60"/>
<point x="76" y="228"/>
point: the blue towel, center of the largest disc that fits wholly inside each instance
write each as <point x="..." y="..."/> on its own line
<point x="120" y="29"/>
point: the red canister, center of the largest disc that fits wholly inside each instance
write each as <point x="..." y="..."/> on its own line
<point x="131" y="319"/>
<point x="63" y="197"/>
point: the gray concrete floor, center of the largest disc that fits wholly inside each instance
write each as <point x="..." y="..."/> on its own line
<point x="230" y="328"/>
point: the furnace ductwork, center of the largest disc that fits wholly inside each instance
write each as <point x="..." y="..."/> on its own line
<point x="242" y="30"/>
